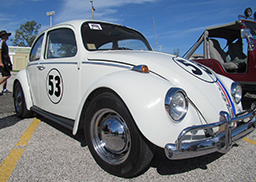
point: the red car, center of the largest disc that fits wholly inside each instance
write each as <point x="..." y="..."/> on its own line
<point x="230" y="50"/>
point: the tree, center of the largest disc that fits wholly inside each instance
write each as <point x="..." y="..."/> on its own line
<point x="26" y="34"/>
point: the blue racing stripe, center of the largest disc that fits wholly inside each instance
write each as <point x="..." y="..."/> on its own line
<point x="229" y="98"/>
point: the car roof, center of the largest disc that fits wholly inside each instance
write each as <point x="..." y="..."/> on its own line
<point x="78" y="23"/>
<point x="228" y="31"/>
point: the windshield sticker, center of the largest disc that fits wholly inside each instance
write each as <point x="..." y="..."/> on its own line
<point x="94" y="26"/>
<point x="91" y="46"/>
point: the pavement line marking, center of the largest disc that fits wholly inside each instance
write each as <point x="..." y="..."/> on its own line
<point x="250" y="141"/>
<point x="12" y="159"/>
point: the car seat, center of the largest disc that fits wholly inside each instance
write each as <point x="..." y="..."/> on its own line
<point x="215" y="52"/>
<point x="236" y="53"/>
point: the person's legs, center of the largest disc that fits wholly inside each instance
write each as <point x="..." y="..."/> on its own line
<point x="3" y="79"/>
<point x="5" y="75"/>
<point x="4" y="85"/>
<point x="5" y="90"/>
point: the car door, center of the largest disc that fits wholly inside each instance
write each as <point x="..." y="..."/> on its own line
<point x="59" y="74"/>
<point x="33" y="69"/>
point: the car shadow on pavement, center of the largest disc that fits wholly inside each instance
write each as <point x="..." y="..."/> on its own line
<point x="79" y="136"/>
<point x="165" y="166"/>
<point x="9" y="121"/>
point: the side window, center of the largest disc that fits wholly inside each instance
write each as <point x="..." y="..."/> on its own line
<point x="36" y="49"/>
<point x="61" y="43"/>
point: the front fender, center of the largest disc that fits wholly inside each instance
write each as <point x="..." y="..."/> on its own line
<point x="23" y="79"/>
<point x="144" y="96"/>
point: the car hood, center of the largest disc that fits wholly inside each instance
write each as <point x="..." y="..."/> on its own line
<point x="200" y="83"/>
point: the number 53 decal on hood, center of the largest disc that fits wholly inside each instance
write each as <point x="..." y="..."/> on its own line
<point x="197" y="70"/>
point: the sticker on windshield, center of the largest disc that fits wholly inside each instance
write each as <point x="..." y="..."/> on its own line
<point x="54" y="86"/>
<point x="95" y="26"/>
<point x="91" y="46"/>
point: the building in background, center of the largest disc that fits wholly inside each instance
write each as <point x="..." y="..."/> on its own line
<point x="19" y="57"/>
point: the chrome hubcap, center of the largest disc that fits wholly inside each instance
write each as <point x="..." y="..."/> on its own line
<point x="110" y="136"/>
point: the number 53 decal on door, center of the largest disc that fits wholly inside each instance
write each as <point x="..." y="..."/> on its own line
<point x="54" y="86"/>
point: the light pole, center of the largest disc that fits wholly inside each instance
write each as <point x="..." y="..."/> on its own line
<point x="155" y="33"/>
<point x="93" y="9"/>
<point x="50" y="14"/>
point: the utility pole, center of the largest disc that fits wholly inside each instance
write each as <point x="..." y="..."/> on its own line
<point x="155" y="32"/>
<point x="50" y="14"/>
<point x="93" y="9"/>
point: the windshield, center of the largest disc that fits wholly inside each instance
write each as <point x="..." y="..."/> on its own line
<point x="104" y="36"/>
<point x="252" y="27"/>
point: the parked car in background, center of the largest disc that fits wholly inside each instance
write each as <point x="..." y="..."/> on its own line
<point x="104" y="79"/>
<point x="230" y="50"/>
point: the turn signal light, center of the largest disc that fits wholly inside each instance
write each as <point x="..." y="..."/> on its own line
<point x="141" y="68"/>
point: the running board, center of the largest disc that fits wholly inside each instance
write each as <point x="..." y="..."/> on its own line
<point x="67" y="123"/>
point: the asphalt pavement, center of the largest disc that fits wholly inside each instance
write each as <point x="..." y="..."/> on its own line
<point x="6" y="101"/>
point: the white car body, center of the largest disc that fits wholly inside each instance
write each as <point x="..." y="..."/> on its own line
<point x="64" y="86"/>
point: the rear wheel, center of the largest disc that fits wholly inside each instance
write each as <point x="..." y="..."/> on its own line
<point x="113" y="138"/>
<point x="19" y="102"/>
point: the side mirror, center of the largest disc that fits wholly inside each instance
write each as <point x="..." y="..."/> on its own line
<point x="245" y="33"/>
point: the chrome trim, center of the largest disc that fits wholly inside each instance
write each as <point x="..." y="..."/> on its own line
<point x="196" y="108"/>
<point x="58" y="62"/>
<point x="219" y="142"/>
<point x="110" y="61"/>
<point x="32" y="64"/>
<point x="51" y="62"/>
<point x="40" y="67"/>
<point x="107" y="64"/>
<point x="110" y="136"/>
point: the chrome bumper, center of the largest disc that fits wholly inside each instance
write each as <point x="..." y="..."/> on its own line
<point x="219" y="142"/>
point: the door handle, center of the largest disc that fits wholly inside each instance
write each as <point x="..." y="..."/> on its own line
<point x="40" y="68"/>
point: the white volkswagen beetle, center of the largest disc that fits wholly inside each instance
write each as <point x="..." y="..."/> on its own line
<point x="105" y="79"/>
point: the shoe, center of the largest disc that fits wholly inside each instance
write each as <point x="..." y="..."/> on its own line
<point x="5" y="92"/>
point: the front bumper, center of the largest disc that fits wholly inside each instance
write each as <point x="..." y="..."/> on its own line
<point x="217" y="142"/>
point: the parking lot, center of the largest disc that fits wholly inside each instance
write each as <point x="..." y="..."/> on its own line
<point x="37" y="150"/>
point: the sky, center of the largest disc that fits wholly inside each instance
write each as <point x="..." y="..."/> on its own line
<point x="167" y="24"/>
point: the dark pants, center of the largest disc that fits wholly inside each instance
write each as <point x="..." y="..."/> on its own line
<point x="5" y="71"/>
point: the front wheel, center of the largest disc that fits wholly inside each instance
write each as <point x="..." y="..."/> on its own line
<point x="113" y="138"/>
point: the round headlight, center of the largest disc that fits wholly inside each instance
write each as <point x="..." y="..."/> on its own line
<point x="176" y="104"/>
<point x="236" y="92"/>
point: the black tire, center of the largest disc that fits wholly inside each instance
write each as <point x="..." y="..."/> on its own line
<point x="113" y="138"/>
<point x="19" y="102"/>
